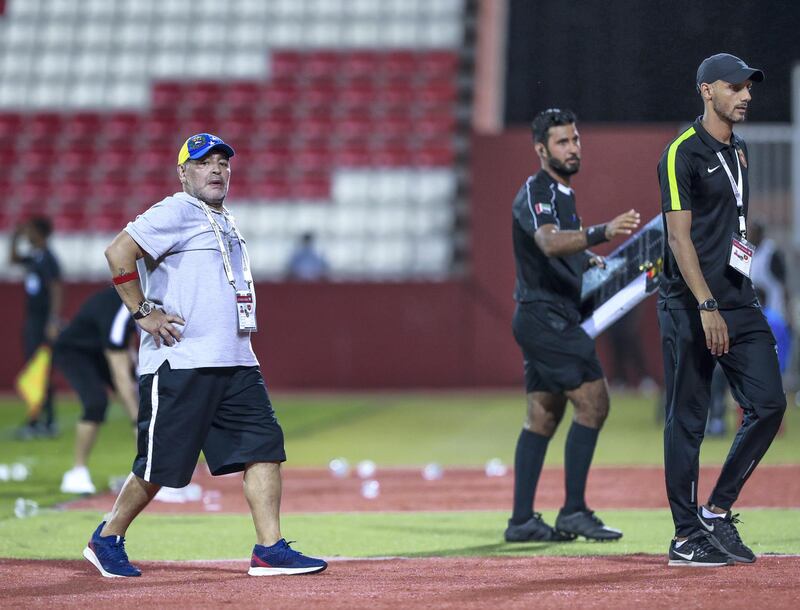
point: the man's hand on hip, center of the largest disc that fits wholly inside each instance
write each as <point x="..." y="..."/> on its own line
<point x="160" y="326"/>
<point x="716" y="331"/>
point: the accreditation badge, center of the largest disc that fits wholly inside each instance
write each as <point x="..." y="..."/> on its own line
<point x="246" y="311"/>
<point x="742" y="252"/>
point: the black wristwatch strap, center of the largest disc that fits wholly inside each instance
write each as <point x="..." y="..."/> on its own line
<point x="145" y="309"/>
<point x="708" y="305"/>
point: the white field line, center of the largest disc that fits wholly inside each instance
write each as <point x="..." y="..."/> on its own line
<point x="400" y="558"/>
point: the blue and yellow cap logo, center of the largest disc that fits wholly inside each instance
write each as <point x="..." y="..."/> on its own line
<point x="199" y="145"/>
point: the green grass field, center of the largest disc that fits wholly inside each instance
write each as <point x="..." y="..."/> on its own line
<point x="454" y="429"/>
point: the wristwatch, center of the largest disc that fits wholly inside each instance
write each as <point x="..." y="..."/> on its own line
<point x="708" y="305"/>
<point x="145" y="308"/>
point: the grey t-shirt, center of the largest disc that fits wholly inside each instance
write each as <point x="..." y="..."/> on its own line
<point x="183" y="275"/>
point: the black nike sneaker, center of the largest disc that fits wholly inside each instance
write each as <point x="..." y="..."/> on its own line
<point x="698" y="552"/>
<point x="585" y="523"/>
<point x="725" y="534"/>
<point x="534" y="530"/>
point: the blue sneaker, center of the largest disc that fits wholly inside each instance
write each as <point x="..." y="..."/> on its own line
<point x="107" y="554"/>
<point x="280" y="558"/>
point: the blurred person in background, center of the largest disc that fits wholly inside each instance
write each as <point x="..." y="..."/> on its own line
<point x="720" y="389"/>
<point x="201" y="388"/>
<point x="306" y="264"/>
<point x="94" y="353"/>
<point x="551" y="253"/>
<point x="768" y="273"/>
<point x="708" y="313"/>
<point x="43" y="291"/>
<point x="627" y="355"/>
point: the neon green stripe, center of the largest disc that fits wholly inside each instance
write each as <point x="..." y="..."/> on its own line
<point x="674" y="198"/>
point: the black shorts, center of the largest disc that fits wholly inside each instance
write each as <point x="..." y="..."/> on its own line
<point x="559" y="356"/>
<point x="87" y="372"/>
<point x="225" y="412"/>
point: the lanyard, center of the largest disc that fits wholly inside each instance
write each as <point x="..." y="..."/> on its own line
<point x="226" y="258"/>
<point x="737" y="190"/>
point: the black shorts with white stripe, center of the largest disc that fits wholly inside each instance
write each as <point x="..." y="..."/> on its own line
<point x="223" y="411"/>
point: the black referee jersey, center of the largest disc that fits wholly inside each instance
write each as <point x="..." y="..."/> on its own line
<point x="541" y="201"/>
<point x="103" y="322"/>
<point x="692" y="177"/>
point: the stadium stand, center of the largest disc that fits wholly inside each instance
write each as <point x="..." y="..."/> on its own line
<point x="347" y="120"/>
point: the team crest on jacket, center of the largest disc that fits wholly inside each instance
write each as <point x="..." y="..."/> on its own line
<point x="742" y="158"/>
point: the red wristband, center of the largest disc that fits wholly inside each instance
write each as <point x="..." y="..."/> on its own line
<point x="125" y="278"/>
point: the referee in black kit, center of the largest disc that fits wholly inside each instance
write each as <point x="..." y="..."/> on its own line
<point x="708" y="312"/>
<point x="550" y="250"/>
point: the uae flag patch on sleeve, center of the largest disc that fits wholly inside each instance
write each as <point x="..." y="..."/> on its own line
<point x="544" y="208"/>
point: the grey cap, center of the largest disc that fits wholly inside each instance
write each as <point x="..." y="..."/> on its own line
<point x="729" y="68"/>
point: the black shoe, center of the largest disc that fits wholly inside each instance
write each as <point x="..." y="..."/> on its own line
<point x="698" y="552"/>
<point x="723" y="531"/>
<point x="585" y="523"/>
<point x="27" y="432"/>
<point x="534" y="529"/>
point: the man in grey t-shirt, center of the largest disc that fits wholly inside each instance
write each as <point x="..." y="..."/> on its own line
<point x="200" y="385"/>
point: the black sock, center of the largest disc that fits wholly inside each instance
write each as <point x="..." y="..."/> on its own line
<point x="528" y="461"/>
<point x="578" y="453"/>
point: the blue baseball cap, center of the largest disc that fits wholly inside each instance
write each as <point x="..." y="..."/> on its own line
<point x="199" y="145"/>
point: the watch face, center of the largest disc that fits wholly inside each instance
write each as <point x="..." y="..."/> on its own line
<point x="145" y="308"/>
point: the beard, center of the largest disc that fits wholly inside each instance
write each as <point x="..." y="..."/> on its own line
<point x="565" y="169"/>
<point x="728" y="115"/>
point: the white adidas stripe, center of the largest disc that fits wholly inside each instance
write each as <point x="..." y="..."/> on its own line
<point x="152" y="428"/>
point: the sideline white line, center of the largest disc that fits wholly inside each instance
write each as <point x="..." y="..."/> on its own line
<point x="328" y="559"/>
<point x="437" y="557"/>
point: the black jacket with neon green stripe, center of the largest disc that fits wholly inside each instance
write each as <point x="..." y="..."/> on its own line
<point x="692" y="177"/>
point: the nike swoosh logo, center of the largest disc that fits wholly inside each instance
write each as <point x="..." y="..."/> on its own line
<point x="688" y="557"/>
<point x="711" y="170"/>
<point x="710" y="528"/>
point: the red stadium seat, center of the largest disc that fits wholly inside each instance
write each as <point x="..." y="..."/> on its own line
<point x="36" y="161"/>
<point x="274" y="189"/>
<point x="109" y="219"/>
<point x="312" y="160"/>
<point x="162" y="130"/>
<point x="80" y="129"/>
<point x="71" y="219"/>
<point x="280" y="92"/>
<point x="10" y="124"/>
<point x="111" y="192"/>
<point x="435" y="156"/>
<point x="360" y="94"/>
<point x="398" y="95"/>
<point x="435" y="126"/>
<point x="168" y="96"/>
<point x="202" y="94"/>
<point x="310" y="186"/>
<point x="355" y="154"/>
<point x="399" y="64"/>
<point x="322" y="64"/>
<point x="46" y="126"/>
<point x="392" y="153"/>
<point x="120" y="127"/>
<point x="439" y="91"/>
<point x="438" y="64"/>
<point x="285" y="63"/>
<point x="359" y="64"/>
<point x="320" y="92"/>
